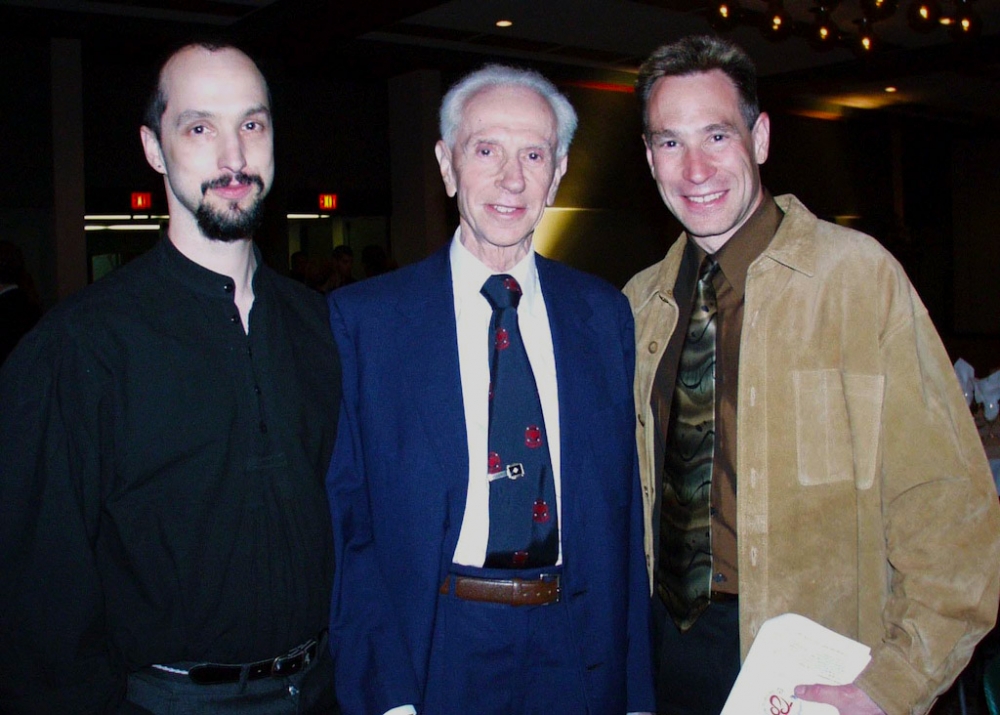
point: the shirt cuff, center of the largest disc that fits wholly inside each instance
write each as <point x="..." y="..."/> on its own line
<point x="402" y="710"/>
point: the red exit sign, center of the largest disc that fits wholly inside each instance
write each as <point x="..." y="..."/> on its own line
<point x="141" y="201"/>
<point x="327" y="202"/>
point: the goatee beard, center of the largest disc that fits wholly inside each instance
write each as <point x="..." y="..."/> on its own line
<point x="235" y="223"/>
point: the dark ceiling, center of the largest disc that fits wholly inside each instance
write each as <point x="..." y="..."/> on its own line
<point x="584" y="40"/>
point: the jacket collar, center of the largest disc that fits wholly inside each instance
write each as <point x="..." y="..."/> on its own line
<point x="792" y="246"/>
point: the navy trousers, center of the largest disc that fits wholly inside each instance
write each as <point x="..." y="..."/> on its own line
<point x="696" y="670"/>
<point x="495" y="659"/>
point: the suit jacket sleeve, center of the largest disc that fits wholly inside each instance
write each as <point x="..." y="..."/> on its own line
<point x="373" y="667"/>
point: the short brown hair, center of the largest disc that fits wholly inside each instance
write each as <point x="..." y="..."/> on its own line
<point x="697" y="54"/>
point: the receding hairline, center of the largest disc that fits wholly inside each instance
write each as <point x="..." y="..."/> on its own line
<point x="456" y="99"/>
<point x="512" y="89"/>
<point x="198" y="48"/>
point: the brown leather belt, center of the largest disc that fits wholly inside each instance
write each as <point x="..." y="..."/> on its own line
<point x="512" y="592"/>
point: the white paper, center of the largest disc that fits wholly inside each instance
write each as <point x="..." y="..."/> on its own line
<point x="792" y="650"/>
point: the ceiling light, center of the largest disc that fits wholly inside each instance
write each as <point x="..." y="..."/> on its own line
<point x="777" y="22"/>
<point x="923" y="15"/>
<point x="824" y="34"/>
<point x="965" y="24"/>
<point x="724" y="15"/>
<point x="878" y="9"/>
<point x="866" y="41"/>
<point x="891" y="90"/>
<point x="504" y="23"/>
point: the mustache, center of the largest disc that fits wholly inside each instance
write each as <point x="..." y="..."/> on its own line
<point x="239" y="177"/>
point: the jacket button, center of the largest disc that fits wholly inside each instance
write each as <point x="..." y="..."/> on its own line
<point x="653" y="346"/>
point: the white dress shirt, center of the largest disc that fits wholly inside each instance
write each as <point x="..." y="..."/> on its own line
<point x="472" y="316"/>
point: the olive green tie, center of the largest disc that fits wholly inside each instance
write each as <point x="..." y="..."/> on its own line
<point x="684" y="570"/>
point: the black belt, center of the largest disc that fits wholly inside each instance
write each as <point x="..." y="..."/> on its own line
<point x="723" y="597"/>
<point x="292" y="662"/>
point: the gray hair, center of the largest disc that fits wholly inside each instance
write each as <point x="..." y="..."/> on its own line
<point x="494" y="75"/>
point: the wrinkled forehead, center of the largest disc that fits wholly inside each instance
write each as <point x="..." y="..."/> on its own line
<point x="508" y="110"/>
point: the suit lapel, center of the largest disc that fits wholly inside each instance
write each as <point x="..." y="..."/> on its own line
<point x="430" y="361"/>
<point x="574" y="344"/>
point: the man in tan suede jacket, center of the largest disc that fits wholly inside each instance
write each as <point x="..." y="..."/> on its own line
<point x="864" y="499"/>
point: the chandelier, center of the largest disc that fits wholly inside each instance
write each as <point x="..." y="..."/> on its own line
<point x="957" y="17"/>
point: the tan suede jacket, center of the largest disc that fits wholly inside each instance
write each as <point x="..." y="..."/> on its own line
<point x="865" y="501"/>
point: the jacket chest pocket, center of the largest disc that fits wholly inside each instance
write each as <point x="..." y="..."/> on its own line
<point x="837" y="425"/>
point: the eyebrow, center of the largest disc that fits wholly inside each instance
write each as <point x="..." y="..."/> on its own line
<point x="708" y="129"/>
<point x="259" y="109"/>
<point x="491" y="139"/>
<point x="721" y="126"/>
<point x="195" y="114"/>
<point x="191" y="115"/>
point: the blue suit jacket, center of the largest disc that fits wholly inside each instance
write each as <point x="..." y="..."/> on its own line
<point x="398" y="480"/>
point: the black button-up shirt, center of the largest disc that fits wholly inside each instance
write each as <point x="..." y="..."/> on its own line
<point x="162" y="480"/>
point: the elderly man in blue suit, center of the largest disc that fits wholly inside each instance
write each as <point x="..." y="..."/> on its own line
<point x="484" y="484"/>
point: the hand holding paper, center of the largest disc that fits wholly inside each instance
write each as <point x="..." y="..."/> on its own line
<point x="848" y="699"/>
<point x="791" y="650"/>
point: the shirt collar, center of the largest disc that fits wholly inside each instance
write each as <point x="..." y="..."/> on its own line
<point x="197" y="277"/>
<point x="469" y="274"/>
<point x="749" y="242"/>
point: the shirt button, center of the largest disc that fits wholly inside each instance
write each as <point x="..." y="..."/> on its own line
<point x="228" y="287"/>
<point x="234" y="319"/>
<point x="653" y="346"/>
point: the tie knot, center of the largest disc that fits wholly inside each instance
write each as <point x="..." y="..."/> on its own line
<point x="502" y="291"/>
<point x="709" y="268"/>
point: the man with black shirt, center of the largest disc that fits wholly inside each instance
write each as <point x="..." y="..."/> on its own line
<point x="164" y="532"/>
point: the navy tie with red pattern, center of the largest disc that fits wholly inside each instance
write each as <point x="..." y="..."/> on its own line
<point x="524" y="529"/>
